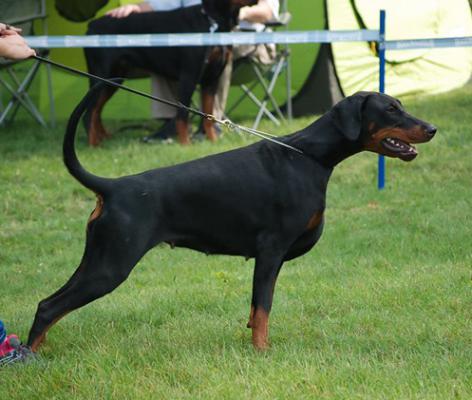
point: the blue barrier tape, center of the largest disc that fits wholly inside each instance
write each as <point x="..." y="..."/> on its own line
<point x="428" y="43"/>
<point x="201" y="39"/>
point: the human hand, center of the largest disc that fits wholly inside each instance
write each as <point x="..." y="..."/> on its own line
<point x="124" y="11"/>
<point x="13" y="46"/>
<point x="5" y="27"/>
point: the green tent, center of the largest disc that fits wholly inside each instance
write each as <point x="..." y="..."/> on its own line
<point x="321" y="75"/>
<point x="344" y="68"/>
<point x="68" y="89"/>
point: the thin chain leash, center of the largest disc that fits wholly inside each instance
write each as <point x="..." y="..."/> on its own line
<point x="224" y="122"/>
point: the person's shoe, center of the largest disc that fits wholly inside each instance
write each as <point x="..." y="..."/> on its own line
<point x="16" y="352"/>
<point x="165" y="134"/>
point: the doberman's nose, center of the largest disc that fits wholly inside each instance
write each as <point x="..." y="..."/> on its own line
<point x="431" y="130"/>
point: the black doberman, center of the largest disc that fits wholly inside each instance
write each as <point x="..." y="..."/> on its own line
<point x="187" y="65"/>
<point x="263" y="201"/>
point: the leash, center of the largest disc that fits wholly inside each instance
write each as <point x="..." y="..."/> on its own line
<point x="225" y="122"/>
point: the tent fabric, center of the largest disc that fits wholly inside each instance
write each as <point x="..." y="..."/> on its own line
<point x="79" y="10"/>
<point x="408" y="72"/>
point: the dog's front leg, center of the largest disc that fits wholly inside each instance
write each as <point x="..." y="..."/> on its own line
<point x="187" y="85"/>
<point x="208" y="101"/>
<point x="266" y="270"/>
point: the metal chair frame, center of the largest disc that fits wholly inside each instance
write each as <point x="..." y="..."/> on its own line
<point x="18" y="88"/>
<point x="266" y="77"/>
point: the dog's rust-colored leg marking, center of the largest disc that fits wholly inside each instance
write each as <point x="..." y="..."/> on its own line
<point x="208" y="101"/>
<point x="182" y="131"/>
<point x="94" y="136"/>
<point x="260" y="329"/>
<point x="41" y="338"/>
<point x="98" y="209"/>
<point x="314" y="221"/>
<point x="97" y="132"/>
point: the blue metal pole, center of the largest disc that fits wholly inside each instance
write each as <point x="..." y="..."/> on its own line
<point x="381" y="162"/>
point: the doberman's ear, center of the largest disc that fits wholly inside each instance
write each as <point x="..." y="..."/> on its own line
<point x="347" y="115"/>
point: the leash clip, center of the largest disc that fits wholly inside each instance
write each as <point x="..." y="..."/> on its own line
<point x="230" y="125"/>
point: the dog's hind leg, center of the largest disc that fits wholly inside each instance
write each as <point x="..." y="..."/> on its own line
<point x="97" y="132"/>
<point x="110" y="255"/>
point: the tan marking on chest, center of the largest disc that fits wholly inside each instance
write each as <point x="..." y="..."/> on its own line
<point x="314" y="221"/>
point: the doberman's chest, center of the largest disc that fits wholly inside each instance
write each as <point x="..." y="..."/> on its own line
<point x="308" y="238"/>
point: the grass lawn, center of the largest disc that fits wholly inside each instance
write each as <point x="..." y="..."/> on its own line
<point x="379" y="309"/>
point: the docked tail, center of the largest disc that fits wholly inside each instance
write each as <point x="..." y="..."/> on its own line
<point x="95" y="183"/>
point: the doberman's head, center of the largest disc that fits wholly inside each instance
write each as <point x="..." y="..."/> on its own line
<point x="378" y="123"/>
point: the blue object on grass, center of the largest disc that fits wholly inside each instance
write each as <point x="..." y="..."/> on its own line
<point x="3" y="332"/>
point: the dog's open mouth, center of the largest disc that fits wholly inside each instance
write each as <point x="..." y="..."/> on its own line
<point x="403" y="150"/>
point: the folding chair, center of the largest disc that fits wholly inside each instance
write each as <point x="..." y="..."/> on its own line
<point x="23" y="14"/>
<point x="249" y="75"/>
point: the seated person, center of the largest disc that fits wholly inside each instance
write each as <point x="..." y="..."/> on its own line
<point x="250" y="18"/>
<point x="161" y="86"/>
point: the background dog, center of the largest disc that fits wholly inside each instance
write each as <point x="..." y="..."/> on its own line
<point x="189" y="66"/>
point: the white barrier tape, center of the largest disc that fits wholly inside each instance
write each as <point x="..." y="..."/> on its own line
<point x="201" y="39"/>
<point x="428" y="43"/>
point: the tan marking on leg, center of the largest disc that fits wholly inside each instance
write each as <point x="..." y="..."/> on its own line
<point x="208" y="101"/>
<point x="94" y="136"/>
<point x="182" y="132"/>
<point x="41" y="338"/>
<point x="260" y="329"/>
<point x="97" y="131"/>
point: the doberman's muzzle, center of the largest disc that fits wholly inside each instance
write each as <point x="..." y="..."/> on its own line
<point x="397" y="141"/>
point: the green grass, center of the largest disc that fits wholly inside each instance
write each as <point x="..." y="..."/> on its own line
<point x="379" y="309"/>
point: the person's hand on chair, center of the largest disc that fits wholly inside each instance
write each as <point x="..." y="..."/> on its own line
<point x="124" y="11"/>
<point x="5" y="27"/>
<point x="12" y="45"/>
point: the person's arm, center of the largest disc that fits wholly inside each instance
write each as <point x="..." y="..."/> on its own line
<point x="12" y="45"/>
<point x="126" y="10"/>
<point x="261" y="12"/>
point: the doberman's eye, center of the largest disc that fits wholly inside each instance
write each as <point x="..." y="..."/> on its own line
<point x="392" y="108"/>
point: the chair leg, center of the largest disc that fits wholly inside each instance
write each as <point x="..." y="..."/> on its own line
<point x="242" y="97"/>
<point x="21" y="97"/>
<point x="261" y="106"/>
<point x="268" y="92"/>
<point x="288" y="84"/>
<point x="23" y="94"/>
<point x="52" y="109"/>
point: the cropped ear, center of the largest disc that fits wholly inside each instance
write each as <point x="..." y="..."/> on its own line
<point x="347" y="115"/>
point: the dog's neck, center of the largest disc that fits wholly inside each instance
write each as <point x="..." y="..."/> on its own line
<point x="324" y="143"/>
